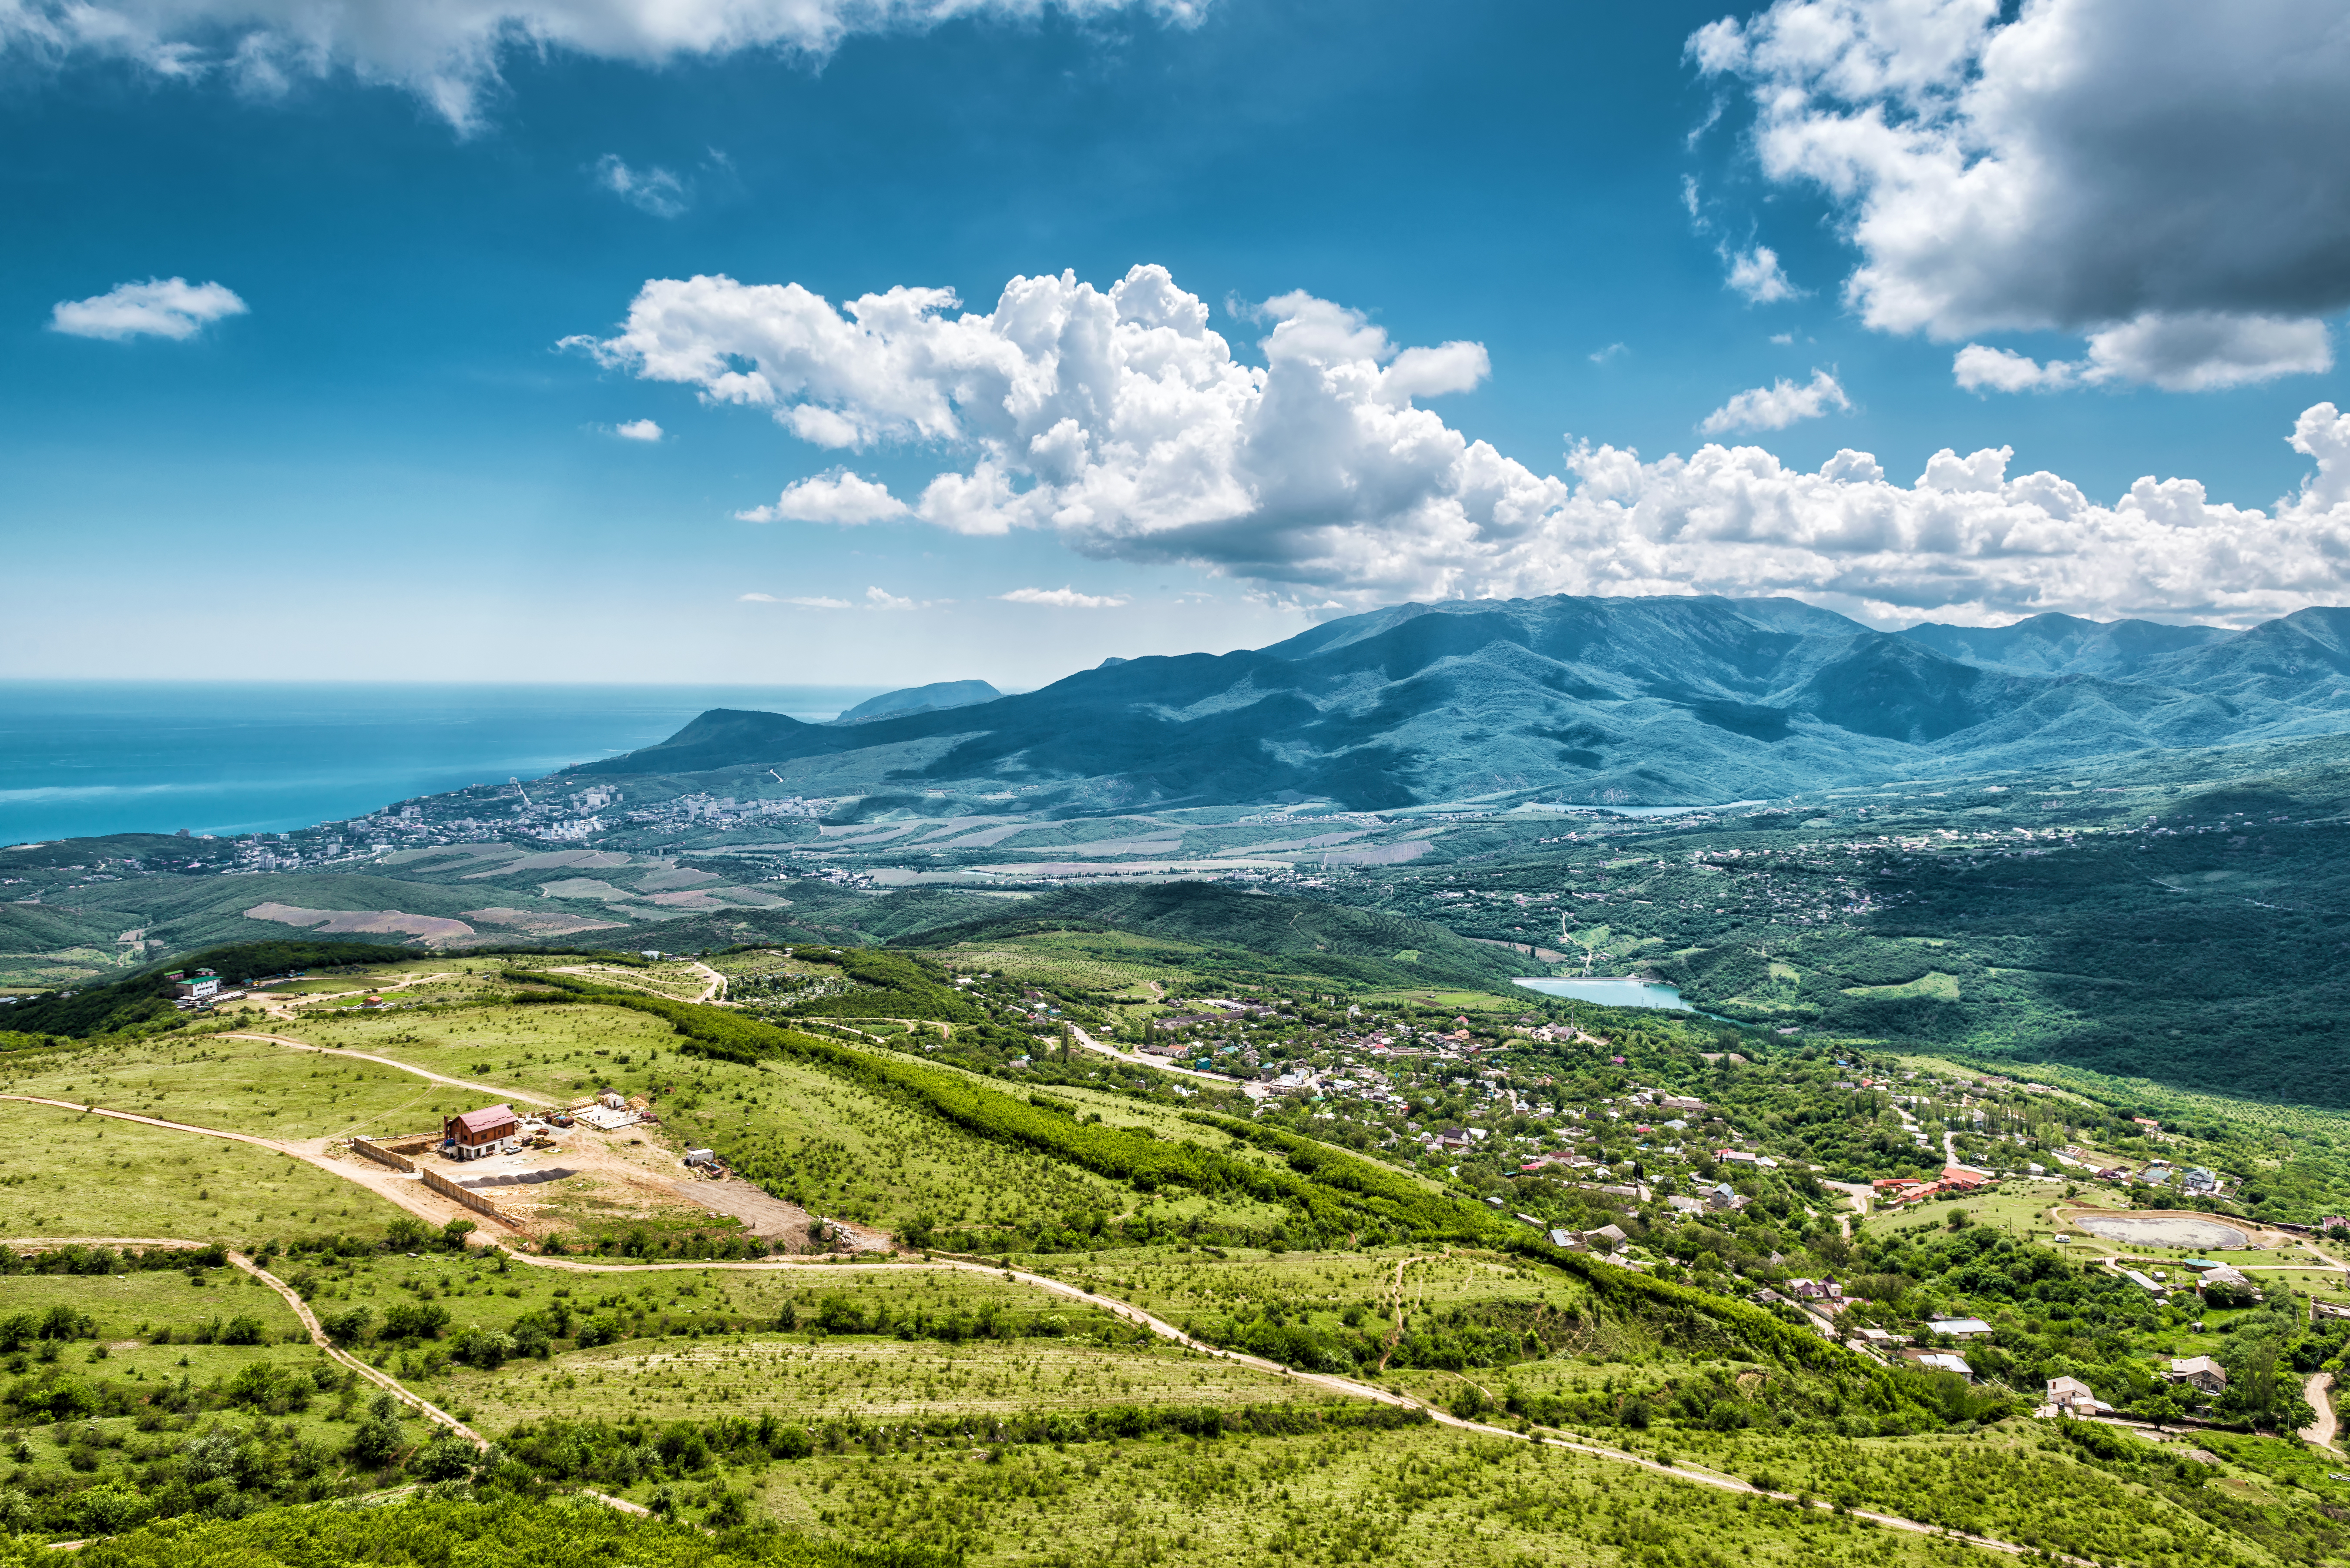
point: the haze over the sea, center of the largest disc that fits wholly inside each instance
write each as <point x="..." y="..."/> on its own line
<point x="86" y="757"/>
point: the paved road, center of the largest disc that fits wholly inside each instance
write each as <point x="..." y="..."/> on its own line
<point x="1155" y="1064"/>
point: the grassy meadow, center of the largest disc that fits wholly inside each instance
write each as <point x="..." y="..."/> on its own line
<point x="65" y="1173"/>
<point x="824" y="1140"/>
<point x="1418" y="1495"/>
<point x="156" y="1338"/>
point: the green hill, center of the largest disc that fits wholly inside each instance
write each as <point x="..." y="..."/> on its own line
<point x="1300" y="934"/>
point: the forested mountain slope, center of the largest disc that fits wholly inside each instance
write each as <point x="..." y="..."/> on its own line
<point x="1660" y="700"/>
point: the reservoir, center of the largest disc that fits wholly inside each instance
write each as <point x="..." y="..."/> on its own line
<point x="1617" y="992"/>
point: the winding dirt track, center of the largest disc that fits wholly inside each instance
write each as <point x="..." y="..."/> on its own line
<point x="383" y="1380"/>
<point x="1344" y="1386"/>
<point x="490" y="1089"/>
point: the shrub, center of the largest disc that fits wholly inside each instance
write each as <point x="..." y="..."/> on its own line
<point x="415" y="1319"/>
<point x="348" y="1327"/>
<point x="445" y="1456"/>
<point x="106" y="1510"/>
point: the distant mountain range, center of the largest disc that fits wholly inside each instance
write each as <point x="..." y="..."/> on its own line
<point x="1663" y="701"/>
<point x="920" y="700"/>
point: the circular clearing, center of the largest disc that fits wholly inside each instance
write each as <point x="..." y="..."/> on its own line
<point x="2163" y="1231"/>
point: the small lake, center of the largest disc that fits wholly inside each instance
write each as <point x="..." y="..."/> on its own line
<point x="1617" y="992"/>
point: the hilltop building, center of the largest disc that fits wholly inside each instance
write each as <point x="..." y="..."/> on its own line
<point x="478" y="1134"/>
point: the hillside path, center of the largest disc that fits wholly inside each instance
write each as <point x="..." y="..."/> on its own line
<point x="309" y="1319"/>
<point x="413" y="1195"/>
<point x="382" y="1180"/>
<point x="282" y="1007"/>
<point x="383" y="1380"/>
<point x="386" y="1061"/>
<point x="2322" y="1430"/>
<point x="1344" y="1386"/>
<point x="493" y="1089"/>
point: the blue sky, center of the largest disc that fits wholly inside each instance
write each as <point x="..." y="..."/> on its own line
<point x="377" y="461"/>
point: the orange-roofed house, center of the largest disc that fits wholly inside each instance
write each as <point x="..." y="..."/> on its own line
<point x="478" y="1132"/>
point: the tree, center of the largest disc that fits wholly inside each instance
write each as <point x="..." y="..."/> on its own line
<point x="379" y="1440"/>
<point x="444" y="1457"/>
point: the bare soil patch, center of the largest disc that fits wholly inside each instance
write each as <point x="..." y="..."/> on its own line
<point x="2163" y="1229"/>
<point x="538" y="923"/>
<point x="369" y="922"/>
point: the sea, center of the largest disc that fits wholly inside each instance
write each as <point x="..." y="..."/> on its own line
<point x="79" y="758"/>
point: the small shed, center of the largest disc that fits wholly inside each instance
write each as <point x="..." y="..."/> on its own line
<point x="492" y="1130"/>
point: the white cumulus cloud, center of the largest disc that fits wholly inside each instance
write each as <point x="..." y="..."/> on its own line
<point x="2198" y="353"/>
<point x="1116" y="420"/>
<point x="820" y="601"/>
<point x="160" y="308"/>
<point x="1778" y="405"/>
<point x="755" y="598"/>
<point x="1756" y="273"/>
<point x="1064" y="599"/>
<point x="448" y="52"/>
<point x="638" y="429"/>
<point x="841" y="497"/>
<point x="651" y="190"/>
<point x="2169" y="179"/>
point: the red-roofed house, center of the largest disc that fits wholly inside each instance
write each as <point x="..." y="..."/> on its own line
<point x="478" y="1132"/>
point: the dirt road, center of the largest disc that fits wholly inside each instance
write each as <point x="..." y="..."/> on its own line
<point x="2318" y="1392"/>
<point x="494" y="1090"/>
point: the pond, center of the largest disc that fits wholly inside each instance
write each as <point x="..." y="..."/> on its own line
<point x="1619" y="991"/>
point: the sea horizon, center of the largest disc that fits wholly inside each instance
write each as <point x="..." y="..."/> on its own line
<point x="84" y="758"/>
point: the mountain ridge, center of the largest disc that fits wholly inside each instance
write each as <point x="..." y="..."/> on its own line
<point x="1669" y="700"/>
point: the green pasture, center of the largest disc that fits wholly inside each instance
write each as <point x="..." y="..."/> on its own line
<point x="678" y="980"/>
<point x="65" y="1173"/>
<point x="557" y="1053"/>
<point x="2022" y="1481"/>
<point x="1449" y="1000"/>
<point x="1115" y="962"/>
<point x="147" y="1327"/>
<point x="810" y="1378"/>
<point x="821" y="1139"/>
<point x="2020" y="1208"/>
<point x="238" y="1085"/>
<point x="1418" y="1495"/>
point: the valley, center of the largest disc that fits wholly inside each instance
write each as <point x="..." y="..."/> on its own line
<point x="1218" y="1315"/>
<point x="992" y="1163"/>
